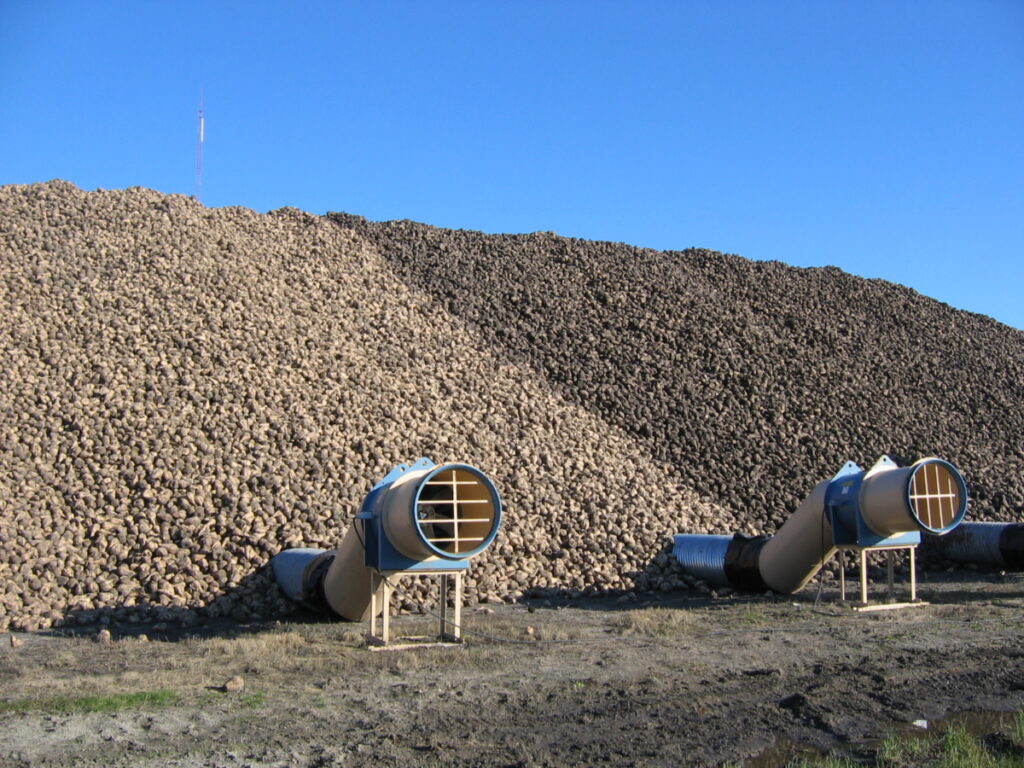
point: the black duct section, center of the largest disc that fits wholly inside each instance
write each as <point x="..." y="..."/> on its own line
<point x="1011" y="547"/>
<point x="740" y="564"/>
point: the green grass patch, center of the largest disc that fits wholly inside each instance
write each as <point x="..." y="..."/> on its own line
<point x="955" y="746"/>
<point x="1018" y="728"/>
<point x="114" y="702"/>
<point x="897" y="750"/>
<point x="253" y="700"/>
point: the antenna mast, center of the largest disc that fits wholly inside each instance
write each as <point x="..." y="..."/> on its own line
<point x="199" y="150"/>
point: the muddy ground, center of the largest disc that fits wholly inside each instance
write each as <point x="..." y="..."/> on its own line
<point x="675" y="680"/>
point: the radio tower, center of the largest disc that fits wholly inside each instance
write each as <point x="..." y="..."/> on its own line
<point x="199" y="150"/>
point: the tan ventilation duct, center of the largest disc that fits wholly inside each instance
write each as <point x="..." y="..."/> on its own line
<point x="421" y="517"/>
<point x="885" y="505"/>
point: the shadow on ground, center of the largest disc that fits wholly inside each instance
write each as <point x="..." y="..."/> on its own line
<point x="230" y="614"/>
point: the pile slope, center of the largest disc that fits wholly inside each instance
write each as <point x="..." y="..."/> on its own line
<point x="186" y="391"/>
<point x="754" y="380"/>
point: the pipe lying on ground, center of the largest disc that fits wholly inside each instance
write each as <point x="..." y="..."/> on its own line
<point x="422" y="517"/>
<point x="881" y="506"/>
<point x="996" y="544"/>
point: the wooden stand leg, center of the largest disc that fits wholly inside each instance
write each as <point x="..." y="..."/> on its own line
<point x="842" y="575"/>
<point x="913" y="574"/>
<point x="451" y="615"/>
<point x="386" y="612"/>
<point x="442" y="630"/>
<point x="864" y="576"/>
<point x="889" y="567"/>
<point x="374" y="602"/>
<point x="457" y="624"/>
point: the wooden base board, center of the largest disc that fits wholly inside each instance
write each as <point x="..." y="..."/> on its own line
<point x="375" y="643"/>
<point x="887" y="606"/>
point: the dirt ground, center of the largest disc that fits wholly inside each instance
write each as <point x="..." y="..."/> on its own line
<point x="679" y="679"/>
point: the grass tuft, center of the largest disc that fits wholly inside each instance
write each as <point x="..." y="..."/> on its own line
<point x="662" y="622"/>
<point x="82" y="704"/>
<point x="1018" y="728"/>
<point x="897" y="751"/>
<point x="954" y="747"/>
<point x="253" y="700"/>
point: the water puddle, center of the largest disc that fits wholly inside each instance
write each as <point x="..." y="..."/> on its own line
<point x="997" y="727"/>
<point x="782" y="752"/>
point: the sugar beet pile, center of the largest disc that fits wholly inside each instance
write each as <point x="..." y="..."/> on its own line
<point x="186" y="391"/>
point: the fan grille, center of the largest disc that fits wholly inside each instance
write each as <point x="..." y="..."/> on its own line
<point x="935" y="495"/>
<point x="456" y="511"/>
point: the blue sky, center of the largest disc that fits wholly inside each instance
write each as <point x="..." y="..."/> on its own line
<point x="883" y="137"/>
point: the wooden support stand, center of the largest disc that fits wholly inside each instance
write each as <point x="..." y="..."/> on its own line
<point x="382" y="584"/>
<point x="862" y="553"/>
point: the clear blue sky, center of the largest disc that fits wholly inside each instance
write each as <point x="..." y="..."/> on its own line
<point x="885" y="137"/>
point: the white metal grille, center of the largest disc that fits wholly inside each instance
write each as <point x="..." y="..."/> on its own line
<point x="456" y="511"/>
<point x="935" y="495"/>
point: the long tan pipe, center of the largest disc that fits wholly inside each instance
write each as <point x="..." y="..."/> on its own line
<point x="792" y="557"/>
<point x="431" y="514"/>
<point x="347" y="582"/>
<point x="929" y="496"/>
